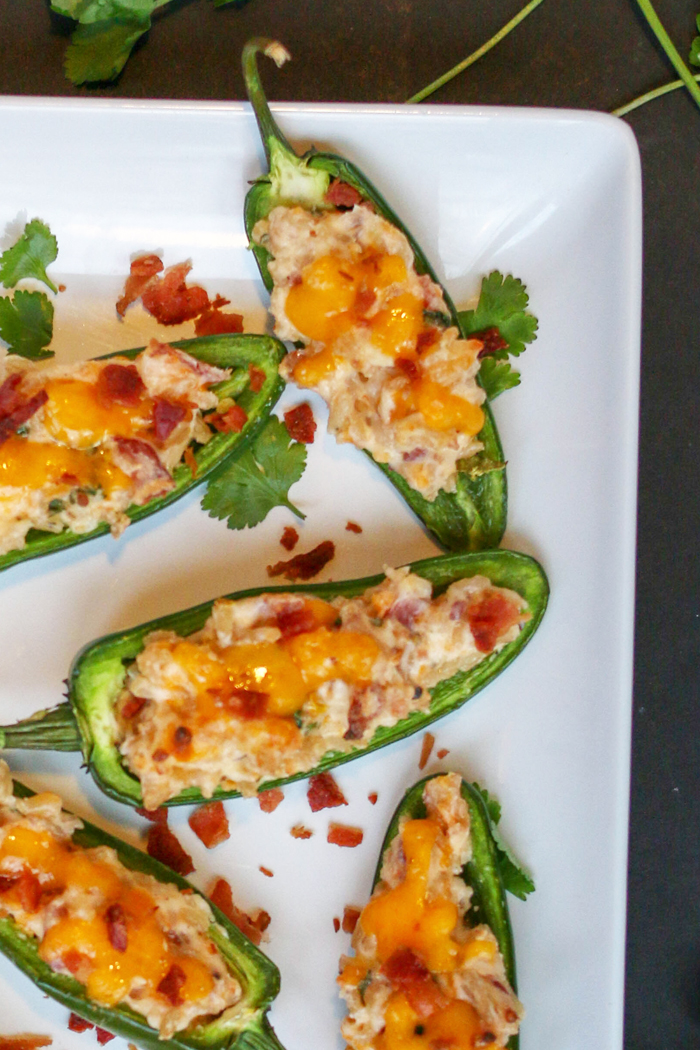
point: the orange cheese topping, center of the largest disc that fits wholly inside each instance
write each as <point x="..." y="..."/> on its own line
<point x="76" y="415"/>
<point x="36" y="463"/>
<point x="457" y="1026"/>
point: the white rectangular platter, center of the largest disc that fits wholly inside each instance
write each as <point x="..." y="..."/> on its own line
<point x="550" y="196"/>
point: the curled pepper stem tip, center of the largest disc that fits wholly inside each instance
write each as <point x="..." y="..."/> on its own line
<point x="269" y="130"/>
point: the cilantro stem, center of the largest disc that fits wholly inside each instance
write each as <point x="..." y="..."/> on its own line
<point x="294" y="510"/>
<point x="476" y="55"/>
<point x="670" y="49"/>
<point x="641" y="100"/>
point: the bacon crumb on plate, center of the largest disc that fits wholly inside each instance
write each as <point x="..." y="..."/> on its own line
<point x="300" y="423"/>
<point x="290" y="538"/>
<point x="251" y="926"/>
<point x="218" y="322"/>
<point x="270" y="799"/>
<point x="156" y="816"/>
<point x="344" y="835"/>
<point x="304" y="566"/>
<point x="231" y="421"/>
<point x="373" y="796"/>
<point x="163" y="846"/>
<point x="443" y="753"/>
<point x="266" y="871"/>
<point x="324" y="793"/>
<point x="256" y="378"/>
<point x="210" y="824"/>
<point x="352" y="526"/>
<point x="336" y="923"/>
<point x="426" y="748"/>
<point x="300" y="832"/>
<point x="24" y="1041"/>
<point x="350" y="916"/>
<point x="78" y="1024"/>
<point x="103" y="1036"/>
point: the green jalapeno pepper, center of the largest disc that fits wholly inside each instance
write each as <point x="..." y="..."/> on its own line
<point x="485" y="873"/>
<point x="243" y="1027"/>
<point x="236" y="352"/>
<point x="87" y="722"/>
<point x="474" y="516"/>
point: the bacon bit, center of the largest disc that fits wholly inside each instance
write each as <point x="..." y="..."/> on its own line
<point x="166" y="416"/>
<point x="352" y="526"/>
<point x="324" y="793"/>
<point x="342" y="194"/>
<point x="191" y="461"/>
<point x="336" y="923"/>
<point x="300" y="423"/>
<point x="266" y="871"/>
<point x="357" y="720"/>
<point x="409" y="367"/>
<point x="443" y="752"/>
<point x="116" y="927"/>
<point x="182" y="738"/>
<point x="210" y="824"/>
<point x="290" y="538"/>
<point x="163" y="846"/>
<point x="304" y="566"/>
<point x="24" y="1041"/>
<point x="490" y="617"/>
<point x="78" y="1024"/>
<point x="156" y="816"/>
<point x="350" y="916"/>
<point x="103" y="1036"/>
<point x="142" y="270"/>
<point x="365" y="300"/>
<point x="492" y="340"/>
<point x="120" y="384"/>
<point x="343" y="835"/>
<point x="20" y="414"/>
<point x="221" y="895"/>
<point x="413" y="455"/>
<point x="230" y="422"/>
<point x="373" y="796"/>
<point x="427" y="338"/>
<point x="427" y="747"/>
<point x="296" y="621"/>
<point x="172" y="985"/>
<point x="256" y="378"/>
<point x="218" y="322"/>
<point x="245" y="703"/>
<point x="160" y="755"/>
<point x="270" y="799"/>
<point x="9" y="394"/>
<point x="142" y="458"/>
<point x="406" y="610"/>
<point x="300" y="832"/>
<point x="132" y="706"/>
<point x="170" y="300"/>
<point x="408" y="974"/>
<point x="82" y="499"/>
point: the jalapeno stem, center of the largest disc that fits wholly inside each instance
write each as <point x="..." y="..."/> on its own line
<point x="269" y="129"/>
<point x="54" y="729"/>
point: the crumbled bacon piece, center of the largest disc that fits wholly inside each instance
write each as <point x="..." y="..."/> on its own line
<point x="300" y="832"/>
<point x="182" y="739"/>
<point x="426" y="749"/>
<point x="231" y="421"/>
<point x="266" y="871"/>
<point x="427" y="338"/>
<point x="443" y="752"/>
<point x="492" y="340"/>
<point x="245" y="703"/>
<point x="357" y="720"/>
<point x="9" y="394"/>
<point x="142" y="270"/>
<point x="324" y="793"/>
<point x="191" y="461"/>
<point x="170" y="300"/>
<point x="409" y="975"/>
<point x="19" y="415"/>
<point x="406" y="610"/>
<point x="131" y="707"/>
<point x="489" y="618"/>
<point x="342" y="195"/>
<point x="160" y="754"/>
<point x="253" y="928"/>
<point x="352" y="526"/>
<point x="74" y="961"/>
<point x="120" y="384"/>
<point x="290" y="538"/>
<point x="373" y="796"/>
<point x="256" y="378"/>
<point x="270" y="799"/>
<point x="210" y="824"/>
<point x="304" y="566"/>
<point x="364" y="300"/>
<point x="172" y="984"/>
<point x="413" y="455"/>
<point x="140" y="460"/>
<point x="166" y="416"/>
<point x="409" y="367"/>
<point x="350" y="916"/>
<point x="82" y="499"/>
<point x="116" y="927"/>
<point x="300" y="423"/>
<point x="336" y="923"/>
<point x="26" y="888"/>
<point x="218" y="322"/>
<point x="78" y="1024"/>
<point x="103" y="1036"/>
<point x="24" y="1041"/>
<point x="344" y="835"/>
<point x="156" y="816"/>
<point x="163" y="846"/>
<point x="295" y="621"/>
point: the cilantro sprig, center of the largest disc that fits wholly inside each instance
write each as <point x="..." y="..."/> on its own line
<point x="260" y="479"/>
<point x="515" y="879"/>
<point x="26" y="318"/>
<point x="29" y="256"/>
<point x="503" y="305"/>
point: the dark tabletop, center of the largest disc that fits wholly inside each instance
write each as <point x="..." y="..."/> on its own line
<point x="590" y="54"/>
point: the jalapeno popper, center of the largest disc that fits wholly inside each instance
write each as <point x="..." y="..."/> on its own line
<point x="89" y="447"/>
<point x="269" y="686"/>
<point x="433" y="963"/>
<point x="121" y="939"/>
<point x="377" y="336"/>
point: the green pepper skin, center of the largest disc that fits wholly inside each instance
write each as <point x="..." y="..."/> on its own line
<point x="474" y="516"/>
<point x="247" y="1029"/>
<point x="225" y="351"/>
<point x="87" y="723"/>
<point x="482" y="873"/>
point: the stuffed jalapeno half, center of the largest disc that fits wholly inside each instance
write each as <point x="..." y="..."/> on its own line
<point x="269" y="686"/>
<point x="376" y="334"/>
<point x="119" y="938"/>
<point x="89" y="447"/>
<point x="434" y="964"/>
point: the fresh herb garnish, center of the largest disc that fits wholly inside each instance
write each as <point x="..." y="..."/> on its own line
<point x="515" y="880"/>
<point x="258" y="480"/>
<point x="503" y="305"/>
<point x="26" y="324"/>
<point x="33" y="252"/>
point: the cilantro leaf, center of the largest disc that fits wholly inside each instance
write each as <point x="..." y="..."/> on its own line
<point x="26" y="324"/>
<point x="99" y="50"/>
<point x="503" y="305"/>
<point x="30" y="256"/>
<point x="695" y="46"/>
<point x="515" y="879"/>
<point x="86" y="11"/>
<point x="258" y="480"/>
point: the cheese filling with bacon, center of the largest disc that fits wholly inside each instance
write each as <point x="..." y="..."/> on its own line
<point x="273" y="682"/>
<point x="398" y="383"/>
<point x="81" y="443"/>
<point x="422" y="978"/>
<point x="128" y="938"/>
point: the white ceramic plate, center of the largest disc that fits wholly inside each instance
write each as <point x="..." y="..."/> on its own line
<point x="552" y="197"/>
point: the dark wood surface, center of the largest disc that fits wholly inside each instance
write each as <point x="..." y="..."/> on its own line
<point x="593" y="54"/>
